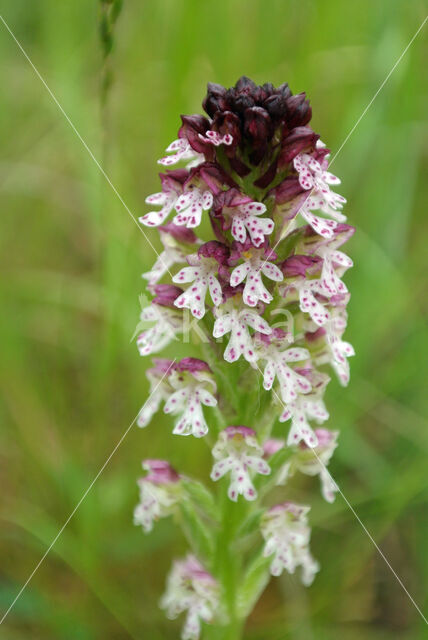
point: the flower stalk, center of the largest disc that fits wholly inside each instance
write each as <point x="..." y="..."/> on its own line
<point x="251" y="265"/>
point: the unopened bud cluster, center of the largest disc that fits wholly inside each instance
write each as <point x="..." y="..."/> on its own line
<point x="251" y="232"/>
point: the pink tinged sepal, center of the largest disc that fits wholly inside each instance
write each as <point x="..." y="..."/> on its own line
<point x="237" y="452"/>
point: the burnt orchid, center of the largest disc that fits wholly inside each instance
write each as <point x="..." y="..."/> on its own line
<point x="251" y="268"/>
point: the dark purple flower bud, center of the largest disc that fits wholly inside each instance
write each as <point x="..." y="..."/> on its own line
<point x="181" y="234"/>
<point x="299" y="139"/>
<point x="258" y="126"/>
<point x="300" y="265"/>
<point x="268" y="88"/>
<point x="213" y="249"/>
<point x="215" y="100"/>
<point x="239" y="167"/>
<point x="276" y="106"/>
<point x="299" y="111"/>
<point x="192" y="365"/>
<point x="227" y="122"/>
<point x="264" y="181"/>
<point x="284" y="90"/>
<point x="213" y="175"/>
<point x="165" y="294"/>
<point x="193" y="126"/>
<point x="289" y="188"/>
<point x="241" y="97"/>
<point x="230" y="198"/>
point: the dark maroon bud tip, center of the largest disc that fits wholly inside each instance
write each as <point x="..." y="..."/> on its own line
<point x="258" y="125"/>
<point x="215" y="100"/>
<point x="299" y="111"/>
<point x="299" y="139"/>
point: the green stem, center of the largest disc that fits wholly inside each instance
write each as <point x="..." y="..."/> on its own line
<point x="229" y="565"/>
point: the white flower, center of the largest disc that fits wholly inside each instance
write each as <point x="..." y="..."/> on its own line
<point x="245" y="220"/>
<point x="202" y="273"/>
<point x="189" y="381"/>
<point x="301" y="410"/>
<point x="166" y="200"/>
<point x="313" y="462"/>
<point x="340" y="350"/>
<point x="237" y="451"/>
<point x="190" y="206"/>
<point x="182" y="151"/>
<point x="159" y="390"/>
<point x="290" y="382"/>
<point x="330" y="282"/>
<point x="251" y="270"/>
<point x="172" y="254"/>
<point x="286" y="532"/>
<point x="306" y="290"/>
<point x="312" y="176"/>
<point x="215" y="138"/>
<point x="167" y="324"/>
<point x="236" y="322"/>
<point x="158" y="493"/>
<point x="192" y="589"/>
<point x="320" y="225"/>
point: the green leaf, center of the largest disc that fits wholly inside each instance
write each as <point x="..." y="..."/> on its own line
<point x="250" y="524"/>
<point x="196" y="531"/>
<point x="255" y="580"/>
<point x="201" y="497"/>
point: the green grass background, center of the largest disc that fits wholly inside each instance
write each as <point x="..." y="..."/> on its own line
<point x="71" y="257"/>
